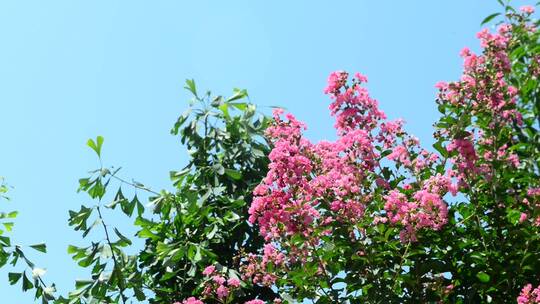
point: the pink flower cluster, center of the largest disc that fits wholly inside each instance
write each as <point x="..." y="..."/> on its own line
<point x="257" y="301"/>
<point x="193" y="300"/>
<point x="256" y="268"/>
<point x="190" y="300"/>
<point x="426" y="210"/>
<point x="310" y="187"/>
<point x="532" y="203"/>
<point x="527" y="9"/>
<point x="483" y="92"/>
<point x="352" y="106"/>
<point x="218" y="286"/>
<point x="529" y="295"/>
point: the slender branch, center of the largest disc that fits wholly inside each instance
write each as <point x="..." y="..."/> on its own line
<point x="31" y="265"/>
<point x="133" y="184"/>
<point x="334" y="296"/>
<point x="403" y="257"/>
<point x="124" y="298"/>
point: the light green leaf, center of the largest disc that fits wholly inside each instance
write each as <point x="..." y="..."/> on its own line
<point x="190" y="86"/>
<point x="238" y="94"/>
<point x="483" y="277"/>
<point x="96" y="145"/>
<point x="234" y="174"/>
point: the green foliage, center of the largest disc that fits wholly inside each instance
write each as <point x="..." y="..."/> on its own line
<point x="14" y="254"/>
<point x="114" y="273"/>
<point x="490" y="254"/>
<point x="205" y="222"/>
<point x="202" y="223"/>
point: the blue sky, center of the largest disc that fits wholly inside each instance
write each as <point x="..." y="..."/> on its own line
<point x="71" y="70"/>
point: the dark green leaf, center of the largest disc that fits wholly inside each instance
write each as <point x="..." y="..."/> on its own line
<point x="489" y="18"/>
<point x="40" y="247"/>
<point x="14" y="277"/>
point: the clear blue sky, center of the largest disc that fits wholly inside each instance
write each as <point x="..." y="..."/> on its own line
<point x="71" y="70"/>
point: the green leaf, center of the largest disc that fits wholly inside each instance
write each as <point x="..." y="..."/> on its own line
<point x="483" y="277"/>
<point x="513" y="216"/>
<point x="124" y="241"/>
<point x="73" y="249"/>
<point x="40" y="247"/>
<point x="8" y="225"/>
<point x="211" y="234"/>
<point x="234" y="174"/>
<point x="202" y="199"/>
<point x="218" y="168"/>
<point x="439" y="147"/>
<point x="146" y="233"/>
<point x="14" y="277"/>
<point x="119" y="198"/>
<point x="4" y="241"/>
<point x="194" y="253"/>
<point x="96" y="145"/>
<point x="106" y="251"/>
<point x="26" y="285"/>
<point x="224" y="109"/>
<point x="97" y="222"/>
<point x="198" y="255"/>
<point x="489" y="18"/>
<point x="238" y="94"/>
<point x="190" y="86"/>
<point x="82" y="283"/>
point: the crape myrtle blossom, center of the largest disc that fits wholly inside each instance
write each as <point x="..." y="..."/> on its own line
<point x="529" y="295"/>
<point x="311" y="184"/>
<point x="311" y="188"/>
<point x="375" y="173"/>
<point x="532" y="204"/>
<point x="478" y="146"/>
<point x="527" y="9"/>
<point x="371" y="206"/>
<point x="255" y="267"/>
<point x="426" y="209"/>
<point x="484" y="92"/>
<point x="220" y="288"/>
<point x="193" y="300"/>
<point x="482" y="128"/>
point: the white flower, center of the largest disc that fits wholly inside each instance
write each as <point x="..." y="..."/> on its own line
<point x="38" y="272"/>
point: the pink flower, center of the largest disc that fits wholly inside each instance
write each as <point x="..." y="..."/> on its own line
<point x="233" y="282"/>
<point x="400" y="154"/>
<point x="465" y="52"/>
<point x="209" y="270"/>
<point x="360" y="77"/>
<point x="256" y="301"/>
<point x="218" y="279"/>
<point x="441" y="85"/>
<point x="191" y="300"/>
<point x="335" y="81"/>
<point x="427" y="210"/>
<point x="528" y="295"/>
<point x="522" y="217"/>
<point x="222" y="292"/>
<point x="527" y="9"/>
<point x="448" y="289"/>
